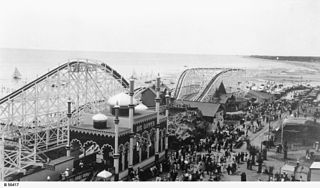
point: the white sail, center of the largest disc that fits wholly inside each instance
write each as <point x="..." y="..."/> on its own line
<point x="16" y="74"/>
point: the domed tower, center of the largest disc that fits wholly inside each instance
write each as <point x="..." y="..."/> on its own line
<point x="140" y="107"/>
<point x="100" y="121"/>
<point x="123" y="100"/>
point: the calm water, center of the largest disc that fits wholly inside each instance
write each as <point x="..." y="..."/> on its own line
<point x="33" y="63"/>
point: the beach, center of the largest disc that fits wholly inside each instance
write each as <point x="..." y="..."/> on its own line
<point x="146" y="66"/>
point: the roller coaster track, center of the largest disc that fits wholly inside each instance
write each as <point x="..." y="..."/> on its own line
<point x="179" y="83"/>
<point x="33" y="119"/>
<point x="115" y="74"/>
<point x="204" y="93"/>
<point x="205" y="86"/>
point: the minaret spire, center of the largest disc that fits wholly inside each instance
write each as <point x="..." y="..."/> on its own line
<point x="157" y="100"/>
<point x="116" y="143"/>
<point x="131" y="108"/>
<point x="167" y="126"/>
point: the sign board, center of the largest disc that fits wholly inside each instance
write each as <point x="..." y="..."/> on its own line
<point x="144" y="126"/>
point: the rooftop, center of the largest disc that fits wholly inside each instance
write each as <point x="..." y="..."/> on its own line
<point x="315" y="165"/>
<point x="299" y="121"/>
<point x="123" y="99"/>
<point x="207" y="109"/>
<point x="87" y="122"/>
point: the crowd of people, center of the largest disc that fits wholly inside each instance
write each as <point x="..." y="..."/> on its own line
<point x="204" y="159"/>
<point x="215" y="155"/>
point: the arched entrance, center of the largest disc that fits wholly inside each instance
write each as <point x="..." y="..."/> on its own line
<point x="107" y="153"/>
<point x="136" y="149"/>
<point x="75" y="148"/>
<point x="126" y="154"/>
<point x="153" y="141"/>
<point x="121" y="152"/>
<point x="144" y="145"/>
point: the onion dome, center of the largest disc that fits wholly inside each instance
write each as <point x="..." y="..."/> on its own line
<point x="99" y="117"/>
<point x="99" y="121"/>
<point x="123" y="99"/>
<point x="141" y="107"/>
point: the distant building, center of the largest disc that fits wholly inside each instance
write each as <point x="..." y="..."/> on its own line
<point x="314" y="172"/>
<point x="299" y="132"/>
<point x="209" y="110"/>
<point x="147" y="95"/>
<point x="220" y="96"/>
<point x="234" y="104"/>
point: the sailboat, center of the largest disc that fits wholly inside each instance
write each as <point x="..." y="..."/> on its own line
<point x="16" y="74"/>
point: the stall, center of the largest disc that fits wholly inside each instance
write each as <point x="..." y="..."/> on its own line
<point x="104" y="176"/>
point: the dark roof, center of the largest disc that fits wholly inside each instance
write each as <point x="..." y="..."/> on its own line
<point x="207" y="109"/>
<point x="224" y="98"/>
<point x="138" y="92"/>
<point x="222" y="89"/>
<point x="220" y="92"/>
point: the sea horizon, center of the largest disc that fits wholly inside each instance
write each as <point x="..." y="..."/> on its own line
<point x="33" y="63"/>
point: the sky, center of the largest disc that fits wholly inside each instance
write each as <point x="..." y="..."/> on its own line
<point x="233" y="27"/>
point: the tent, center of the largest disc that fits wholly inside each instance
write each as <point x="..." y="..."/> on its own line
<point x="104" y="175"/>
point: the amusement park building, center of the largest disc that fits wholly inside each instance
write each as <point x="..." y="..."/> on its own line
<point x="147" y="95"/>
<point x="89" y="143"/>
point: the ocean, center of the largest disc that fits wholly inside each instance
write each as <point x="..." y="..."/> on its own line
<point x="34" y="63"/>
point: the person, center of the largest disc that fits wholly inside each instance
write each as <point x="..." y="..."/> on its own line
<point x="63" y="176"/>
<point x="48" y="178"/>
<point x="243" y="176"/>
<point x="229" y="169"/>
<point x="234" y="167"/>
<point x="66" y="173"/>
<point x="81" y="165"/>
<point x="271" y="178"/>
